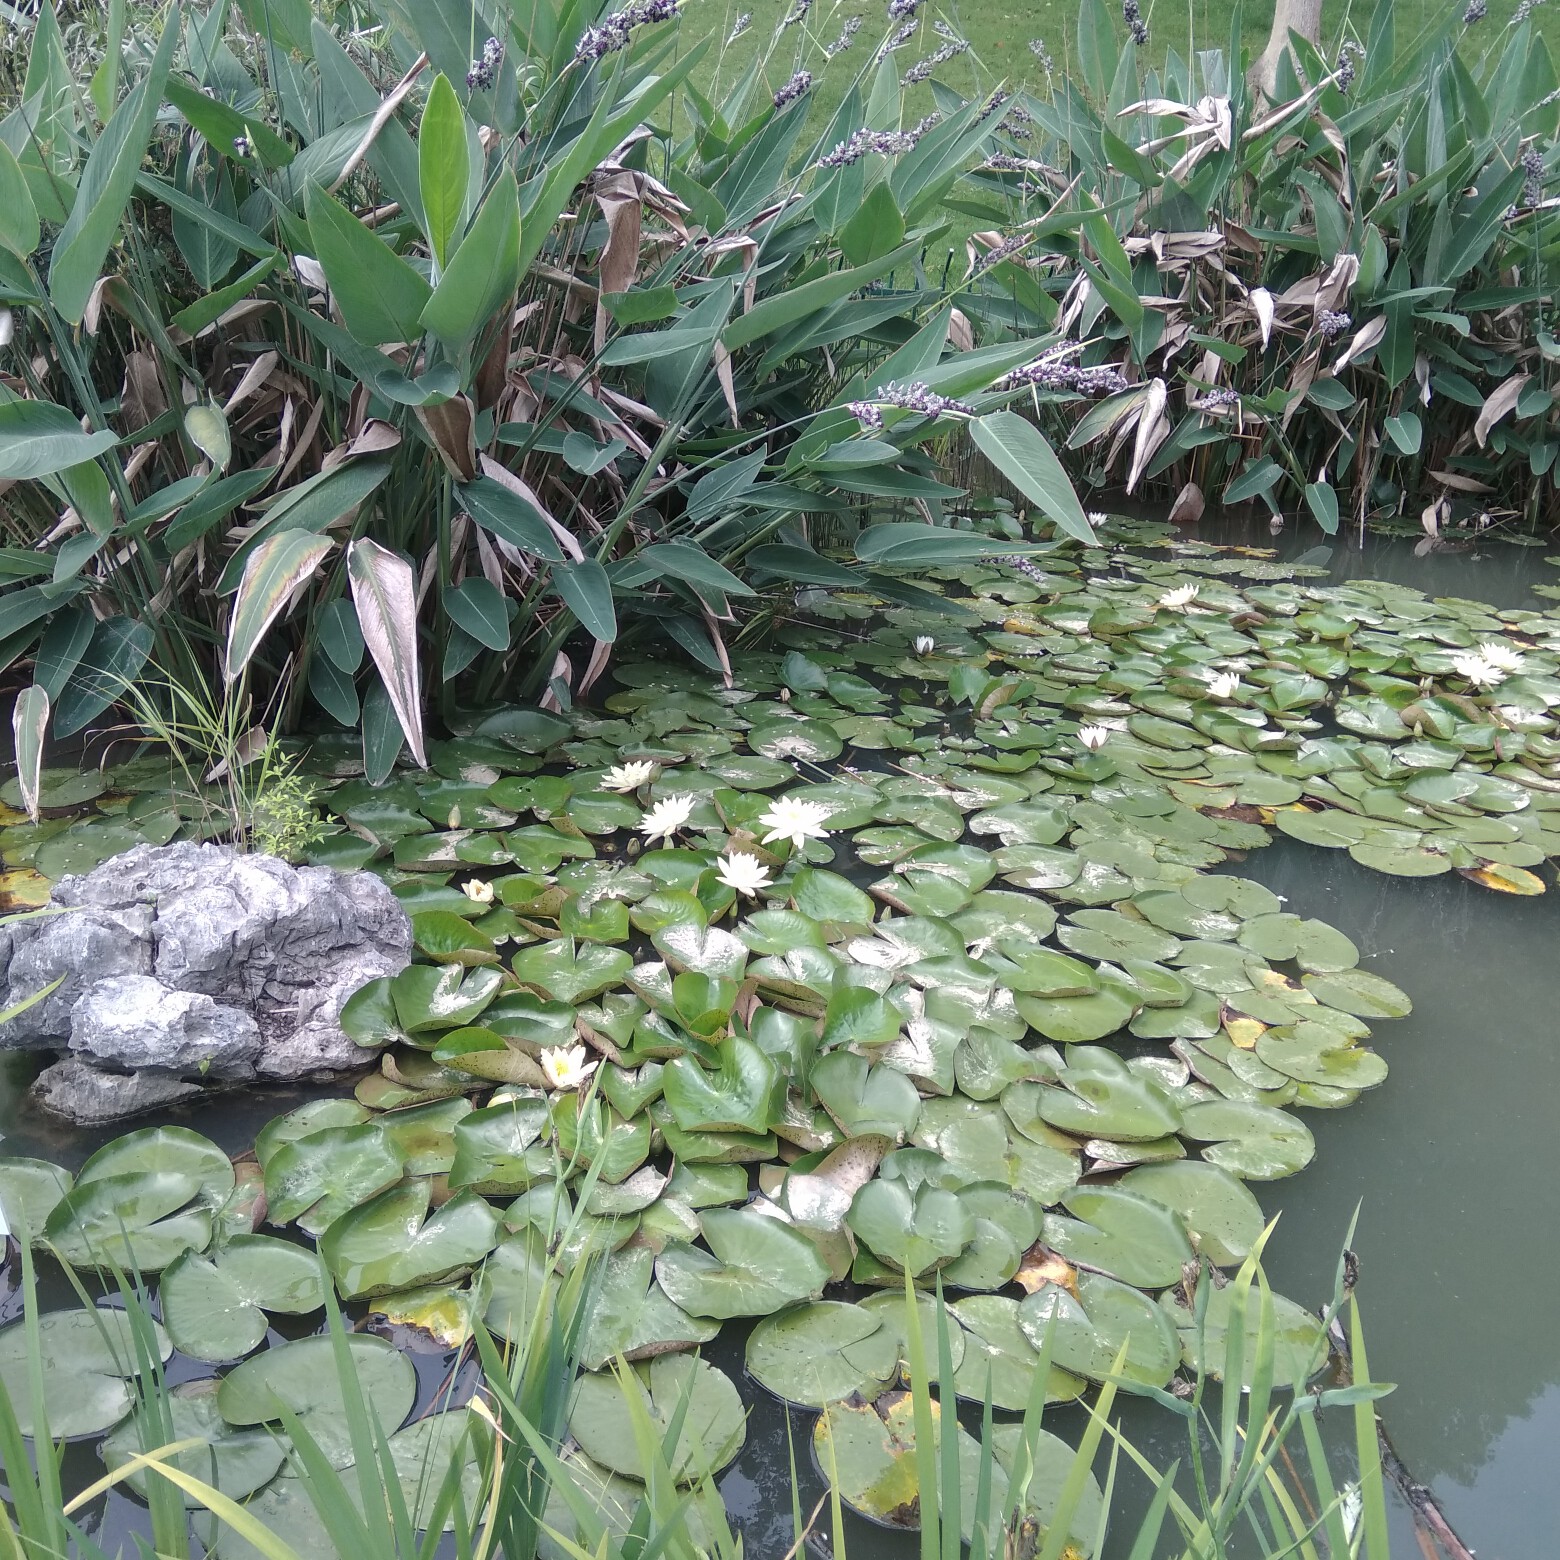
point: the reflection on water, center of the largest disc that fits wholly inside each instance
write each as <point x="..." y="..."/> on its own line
<point x="1457" y="1163"/>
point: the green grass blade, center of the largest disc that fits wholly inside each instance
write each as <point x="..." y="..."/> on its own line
<point x="1373" y="1517"/>
<point x="924" y="1420"/>
<point x="1078" y="1474"/>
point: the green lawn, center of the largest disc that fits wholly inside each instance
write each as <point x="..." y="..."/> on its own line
<point x="999" y="31"/>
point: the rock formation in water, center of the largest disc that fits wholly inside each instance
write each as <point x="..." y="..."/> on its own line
<point x="185" y="964"/>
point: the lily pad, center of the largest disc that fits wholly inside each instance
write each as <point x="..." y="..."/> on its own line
<point x="30" y="1190"/>
<point x="1255" y="1142"/>
<point x="392" y="1241"/>
<point x="869" y="1450"/>
<point x="1120" y="1233"/>
<point x="214" y="1308"/>
<point x="1000" y="1360"/>
<point x="758" y="1266"/>
<point x="1360" y="992"/>
<point x="88" y="1360"/>
<point x="822" y="1352"/>
<point x="864" y="1099"/>
<point x="1088" y="1329"/>
<point x="674" y="1388"/>
<point x="1219" y="1211"/>
<point x="1299" y="1345"/>
<point x="319" y="1177"/>
<point x="303" y="1378"/>
<point x="630" y="1314"/>
<point x="912" y="1231"/>
<point x="237" y="1462"/>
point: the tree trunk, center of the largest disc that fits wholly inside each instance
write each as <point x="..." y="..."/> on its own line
<point x="1301" y="16"/>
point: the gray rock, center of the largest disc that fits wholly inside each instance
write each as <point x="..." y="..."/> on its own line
<point x="88" y="1097"/>
<point x="86" y="946"/>
<point x="208" y="956"/>
<point x="135" y="1021"/>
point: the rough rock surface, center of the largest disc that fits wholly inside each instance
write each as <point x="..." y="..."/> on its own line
<point x="197" y="961"/>
<point x="84" y="1095"/>
<point x="135" y="1021"/>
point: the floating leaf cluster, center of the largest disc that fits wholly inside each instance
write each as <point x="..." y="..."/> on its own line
<point x="983" y="1005"/>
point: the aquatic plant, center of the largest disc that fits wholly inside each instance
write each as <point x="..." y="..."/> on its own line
<point x="1015" y="1037"/>
<point x="1335" y="302"/>
<point x="378" y="438"/>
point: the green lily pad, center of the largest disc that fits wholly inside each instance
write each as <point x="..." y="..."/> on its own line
<point x="1314" y="945"/>
<point x="30" y="1190"/>
<point x="314" y="1116"/>
<point x="1110" y="935"/>
<point x="317" y="1178"/>
<point x="236" y="1462"/>
<point x="89" y="1361"/>
<point x="673" y="1389"/>
<point x="758" y="1266"/>
<point x="1220" y="1213"/>
<point x="866" y="1100"/>
<point x="1316" y="1053"/>
<point x="1078" y="1020"/>
<point x="499" y="1150"/>
<point x="1086" y="1332"/>
<point x="303" y="1378"/>
<point x="1122" y="1234"/>
<point x="739" y="1097"/>
<point x="423" y="1454"/>
<point x="999" y="1358"/>
<point x="214" y="1308"/>
<point x="912" y="1231"/>
<point x="869" y="1451"/>
<point x="822" y="1352"/>
<point x="1330" y="828"/>
<point x="1098" y="1095"/>
<point x="1255" y="1142"/>
<point x="392" y="1241"/>
<point x="568" y="971"/>
<point x="1360" y="992"/>
<point x="630" y="1314"/>
<point x="1299" y="1345"/>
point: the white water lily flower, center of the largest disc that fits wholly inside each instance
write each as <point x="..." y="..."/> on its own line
<point x="1094" y="737"/>
<point x="1097" y="517"/>
<point x="478" y="892"/>
<point x="1222" y="685"/>
<point x="1478" y="671"/>
<point x="744" y="872"/>
<point x="924" y="644"/>
<point x="666" y="818"/>
<point x="565" y="1067"/>
<point x="1179" y="599"/>
<point x="623" y="778"/>
<point x="1501" y="656"/>
<point x="789" y="818"/>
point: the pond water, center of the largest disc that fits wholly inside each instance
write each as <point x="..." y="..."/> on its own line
<point x="1454" y="1165"/>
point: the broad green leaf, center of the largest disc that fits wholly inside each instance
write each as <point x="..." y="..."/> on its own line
<point x="107" y="182"/>
<point x="19" y="229"/>
<point x="38" y="439"/>
<point x="482" y="273"/>
<point x="1021" y="453"/>
<point x="380" y="296"/>
<point x="444" y="166"/>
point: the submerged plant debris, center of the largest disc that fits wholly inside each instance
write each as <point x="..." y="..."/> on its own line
<point x="921" y="950"/>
